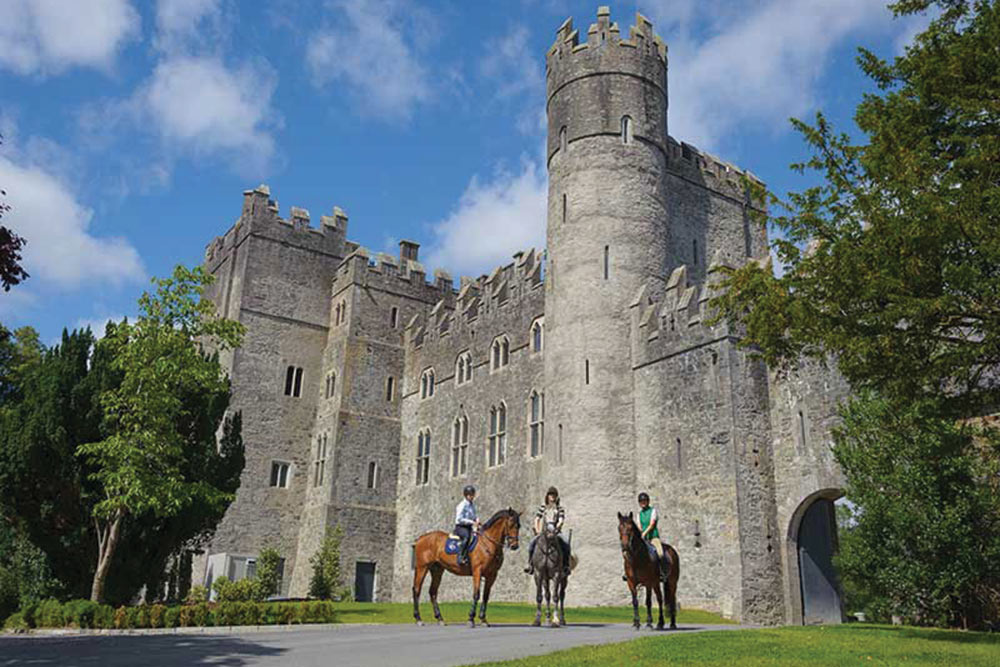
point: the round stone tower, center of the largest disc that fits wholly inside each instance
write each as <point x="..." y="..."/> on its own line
<point x="607" y="236"/>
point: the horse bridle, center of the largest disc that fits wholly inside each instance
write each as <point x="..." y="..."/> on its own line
<point x="506" y="540"/>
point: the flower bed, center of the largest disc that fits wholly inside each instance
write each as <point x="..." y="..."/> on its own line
<point x="85" y="614"/>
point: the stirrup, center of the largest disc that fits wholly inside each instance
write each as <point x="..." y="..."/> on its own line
<point x="529" y="570"/>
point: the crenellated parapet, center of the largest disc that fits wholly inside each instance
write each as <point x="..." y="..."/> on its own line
<point x="394" y="275"/>
<point x="260" y="217"/>
<point x="676" y="316"/>
<point x="714" y="173"/>
<point x="482" y="302"/>
<point x="591" y="82"/>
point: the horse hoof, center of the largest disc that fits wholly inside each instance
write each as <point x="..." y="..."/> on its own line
<point x="420" y="623"/>
<point x="659" y="626"/>
<point x="673" y="626"/>
<point x="472" y="624"/>
<point x="635" y="626"/>
<point x="485" y="624"/>
<point x="537" y="622"/>
<point x="440" y="622"/>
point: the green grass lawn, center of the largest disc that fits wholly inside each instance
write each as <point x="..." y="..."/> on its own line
<point x="830" y="646"/>
<point x="501" y="612"/>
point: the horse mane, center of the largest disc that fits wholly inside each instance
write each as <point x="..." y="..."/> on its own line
<point x="499" y="515"/>
<point x="635" y="541"/>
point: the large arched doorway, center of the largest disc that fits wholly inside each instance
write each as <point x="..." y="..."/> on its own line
<point x="812" y="537"/>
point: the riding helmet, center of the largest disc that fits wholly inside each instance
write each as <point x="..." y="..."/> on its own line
<point x="643" y="496"/>
<point x="468" y="489"/>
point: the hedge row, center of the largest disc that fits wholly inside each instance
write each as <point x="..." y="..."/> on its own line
<point x="87" y="614"/>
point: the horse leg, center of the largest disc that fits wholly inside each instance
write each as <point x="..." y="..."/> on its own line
<point x="562" y="599"/>
<point x="436" y="571"/>
<point x="538" y="597"/>
<point x="635" y="605"/>
<point x="557" y="619"/>
<point x="548" y="598"/>
<point x="418" y="584"/>
<point x="670" y="588"/>
<point x="649" y="607"/>
<point x="659" y="602"/>
<point x="476" y="578"/>
<point x="488" y="584"/>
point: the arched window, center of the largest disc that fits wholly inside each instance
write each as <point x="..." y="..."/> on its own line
<point x="537" y="335"/>
<point x="459" y="445"/>
<point x="293" y="381"/>
<point x="497" y="453"/>
<point x="536" y="424"/>
<point x="626" y="130"/>
<point x="423" y="456"/>
<point x="463" y="368"/>
<point x="499" y="353"/>
<point x="331" y="383"/>
<point x="427" y="383"/>
<point x="562" y="138"/>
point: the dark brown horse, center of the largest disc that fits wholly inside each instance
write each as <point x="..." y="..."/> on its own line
<point x="642" y="570"/>
<point x="503" y="529"/>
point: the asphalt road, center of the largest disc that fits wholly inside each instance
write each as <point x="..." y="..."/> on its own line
<point x="344" y="645"/>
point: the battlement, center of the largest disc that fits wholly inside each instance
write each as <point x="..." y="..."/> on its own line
<point x="392" y="274"/>
<point x="693" y="164"/>
<point x="260" y="216"/>
<point x="482" y="299"/>
<point x="604" y="37"/>
<point x="674" y="316"/>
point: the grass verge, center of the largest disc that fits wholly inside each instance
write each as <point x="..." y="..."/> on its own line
<point x="829" y="646"/>
<point x="500" y="612"/>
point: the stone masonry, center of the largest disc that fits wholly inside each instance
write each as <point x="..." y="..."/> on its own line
<point x="589" y="365"/>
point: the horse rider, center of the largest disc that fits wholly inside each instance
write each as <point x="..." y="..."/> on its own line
<point x="650" y="532"/>
<point x="466" y="521"/>
<point x="551" y="508"/>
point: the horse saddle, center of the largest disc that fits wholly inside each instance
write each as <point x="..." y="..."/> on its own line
<point x="451" y="545"/>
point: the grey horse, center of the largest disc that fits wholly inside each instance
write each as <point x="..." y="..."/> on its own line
<point x="548" y="563"/>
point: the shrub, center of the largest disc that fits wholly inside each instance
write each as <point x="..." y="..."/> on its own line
<point x="121" y="618"/>
<point x="141" y="616"/>
<point x="226" y="613"/>
<point x="186" y="616"/>
<point x="50" y="614"/>
<point x="80" y="613"/>
<point x="266" y="581"/>
<point x="172" y="617"/>
<point x="198" y="594"/>
<point x="104" y="617"/>
<point x="326" y="581"/>
<point x="243" y="590"/>
<point x="269" y="613"/>
<point x="249" y="613"/>
<point x="200" y="615"/>
<point x="156" y="613"/>
<point x="16" y="623"/>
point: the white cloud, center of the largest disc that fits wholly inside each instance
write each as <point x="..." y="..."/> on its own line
<point x="181" y="24"/>
<point x="759" y="66"/>
<point x="514" y="72"/>
<point x="97" y="324"/>
<point x="200" y="106"/>
<point x="60" y="251"/>
<point x="365" y="48"/>
<point x="492" y="221"/>
<point x="49" y="36"/>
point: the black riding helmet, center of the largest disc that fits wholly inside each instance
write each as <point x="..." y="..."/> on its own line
<point x="469" y="489"/>
<point x="643" y="496"/>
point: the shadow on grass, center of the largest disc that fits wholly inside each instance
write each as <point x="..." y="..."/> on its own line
<point x="118" y="651"/>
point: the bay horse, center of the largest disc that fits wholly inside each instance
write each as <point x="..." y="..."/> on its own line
<point x="548" y="564"/>
<point x="642" y="570"/>
<point x="483" y="565"/>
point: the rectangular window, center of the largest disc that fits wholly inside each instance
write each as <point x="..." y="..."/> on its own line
<point x="423" y="457"/>
<point x="694" y="252"/>
<point x="606" y="263"/>
<point x="564" y="209"/>
<point x="393" y="317"/>
<point x="390" y="388"/>
<point x="289" y="380"/>
<point x="372" y="474"/>
<point x="537" y="424"/>
<point x="279" y="474"/>
<point x="298" y="383"/>
<point x="680" y="459"/>
<point x="497" y="454"/>
<point x="586" y="371"/>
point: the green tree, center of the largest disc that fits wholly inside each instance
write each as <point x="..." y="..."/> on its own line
<point x="326" y="583"/>
<point x="892" y="263"/>
<point x="11" y="271"/>
<point x="925" y="537"/>
<point x="139" y="464"/>
<point x="268" y="576"/>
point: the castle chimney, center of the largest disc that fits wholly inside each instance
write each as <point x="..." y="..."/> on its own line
<point x="408" y="251"/>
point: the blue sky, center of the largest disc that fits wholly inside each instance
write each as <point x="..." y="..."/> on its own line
<point x="131" y="127"/>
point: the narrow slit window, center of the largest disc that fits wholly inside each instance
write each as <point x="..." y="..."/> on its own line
<point x="393" y="317"/>
<point x="586" y="371"/>
<point x="626" y="130"/>
<point x="680" y="457"/>
<point x="562" y="138"/>
<point x="694" y="252"/>
<point x="372" y="474"/>
<point x="390" y="388"/>
<point x="802" y="429"/>
<point x="607" y="263"/>
<point x="564" y="209"/>
<point x="298" y="383"/>
<point x="289" y="380"/>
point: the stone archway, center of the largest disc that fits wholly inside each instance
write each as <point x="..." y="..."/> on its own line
<point x="814" y="590"/>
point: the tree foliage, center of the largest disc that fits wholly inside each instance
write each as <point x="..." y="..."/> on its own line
<point x="925" y="539"/>
<point x="140" y="466"/>
<point x="11" y="271"/>
<point x="326" y="582"/>
<point x="892" y="263"/>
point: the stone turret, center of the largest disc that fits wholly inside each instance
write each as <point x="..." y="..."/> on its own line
<point x="607" y="234"/>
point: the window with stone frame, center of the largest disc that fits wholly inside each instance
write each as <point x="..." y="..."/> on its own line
<point x="390" y="388"/>
<point x="423" y="457"/>
<point x="536" y="424"/>
<point x="497" y="446"/>
<point x="427" y="383"/>
<point x="538" y="335"/>
<point x="459" y="446"/>
<point x="331" y="384"/>
<point x="463" y="368"/>
<point x="372" y="475"/>
<point x="280" y="474"/>
<point x="319" y="467"/>
<point x="393" y="317"/>
<point x="293" y="381"/>
<point x="626" y="130"/>
<point x="499" y="353"/>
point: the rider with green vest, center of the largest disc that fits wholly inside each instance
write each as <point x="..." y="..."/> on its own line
<point x="650" y="532"/>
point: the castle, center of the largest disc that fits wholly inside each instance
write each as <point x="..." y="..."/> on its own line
<point x="372" y="392"/>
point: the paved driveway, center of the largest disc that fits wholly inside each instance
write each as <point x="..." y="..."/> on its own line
<point x="339" y="645"/>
